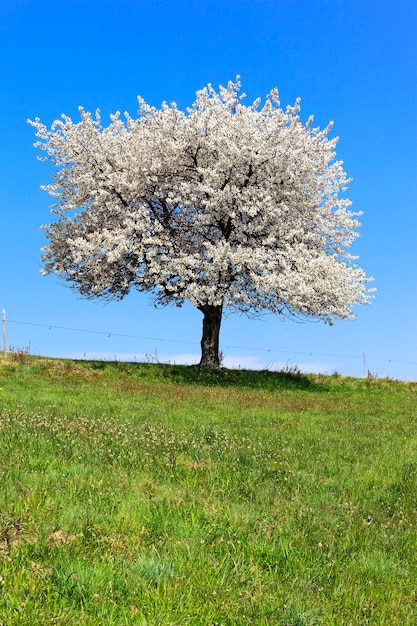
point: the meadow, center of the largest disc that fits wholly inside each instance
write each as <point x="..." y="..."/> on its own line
<point x="151" y="494"/>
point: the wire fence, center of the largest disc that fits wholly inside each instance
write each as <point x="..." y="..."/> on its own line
<point x="363" y="359"/>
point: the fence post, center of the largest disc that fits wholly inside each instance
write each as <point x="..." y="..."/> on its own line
<point x="3" y="317"/>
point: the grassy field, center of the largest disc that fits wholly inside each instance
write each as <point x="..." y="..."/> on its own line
<point x="150" y="494"/>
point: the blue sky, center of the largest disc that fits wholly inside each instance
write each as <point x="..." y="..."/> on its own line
<point x="353" y="62"/>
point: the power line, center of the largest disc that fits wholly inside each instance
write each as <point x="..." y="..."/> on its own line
<point x="194" y="343"/>
<point x="99" y="332"/>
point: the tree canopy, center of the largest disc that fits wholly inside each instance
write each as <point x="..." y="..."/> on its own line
<point x="224" y="205"/>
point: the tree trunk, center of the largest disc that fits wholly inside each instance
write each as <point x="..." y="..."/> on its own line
<point x="210" y="340"/>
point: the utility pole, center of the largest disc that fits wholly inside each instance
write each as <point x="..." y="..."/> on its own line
<point x="3" y="317"/>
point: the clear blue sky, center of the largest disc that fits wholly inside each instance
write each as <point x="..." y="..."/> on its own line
<point x="351" y="61"/>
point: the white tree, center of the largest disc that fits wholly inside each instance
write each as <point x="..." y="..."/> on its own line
<point x="225" y="205"/>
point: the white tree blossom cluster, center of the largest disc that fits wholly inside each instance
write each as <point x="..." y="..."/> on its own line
<point x="225" y="205"/>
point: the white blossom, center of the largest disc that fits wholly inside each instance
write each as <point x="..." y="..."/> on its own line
<point x="225" y="205"/>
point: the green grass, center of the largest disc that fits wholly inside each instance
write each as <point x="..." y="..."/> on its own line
<point x="152" y="494"/>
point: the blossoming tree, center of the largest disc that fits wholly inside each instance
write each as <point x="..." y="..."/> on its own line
<point x="225" y="205"/>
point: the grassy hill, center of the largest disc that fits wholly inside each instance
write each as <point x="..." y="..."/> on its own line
<point x="154" y="494"/>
